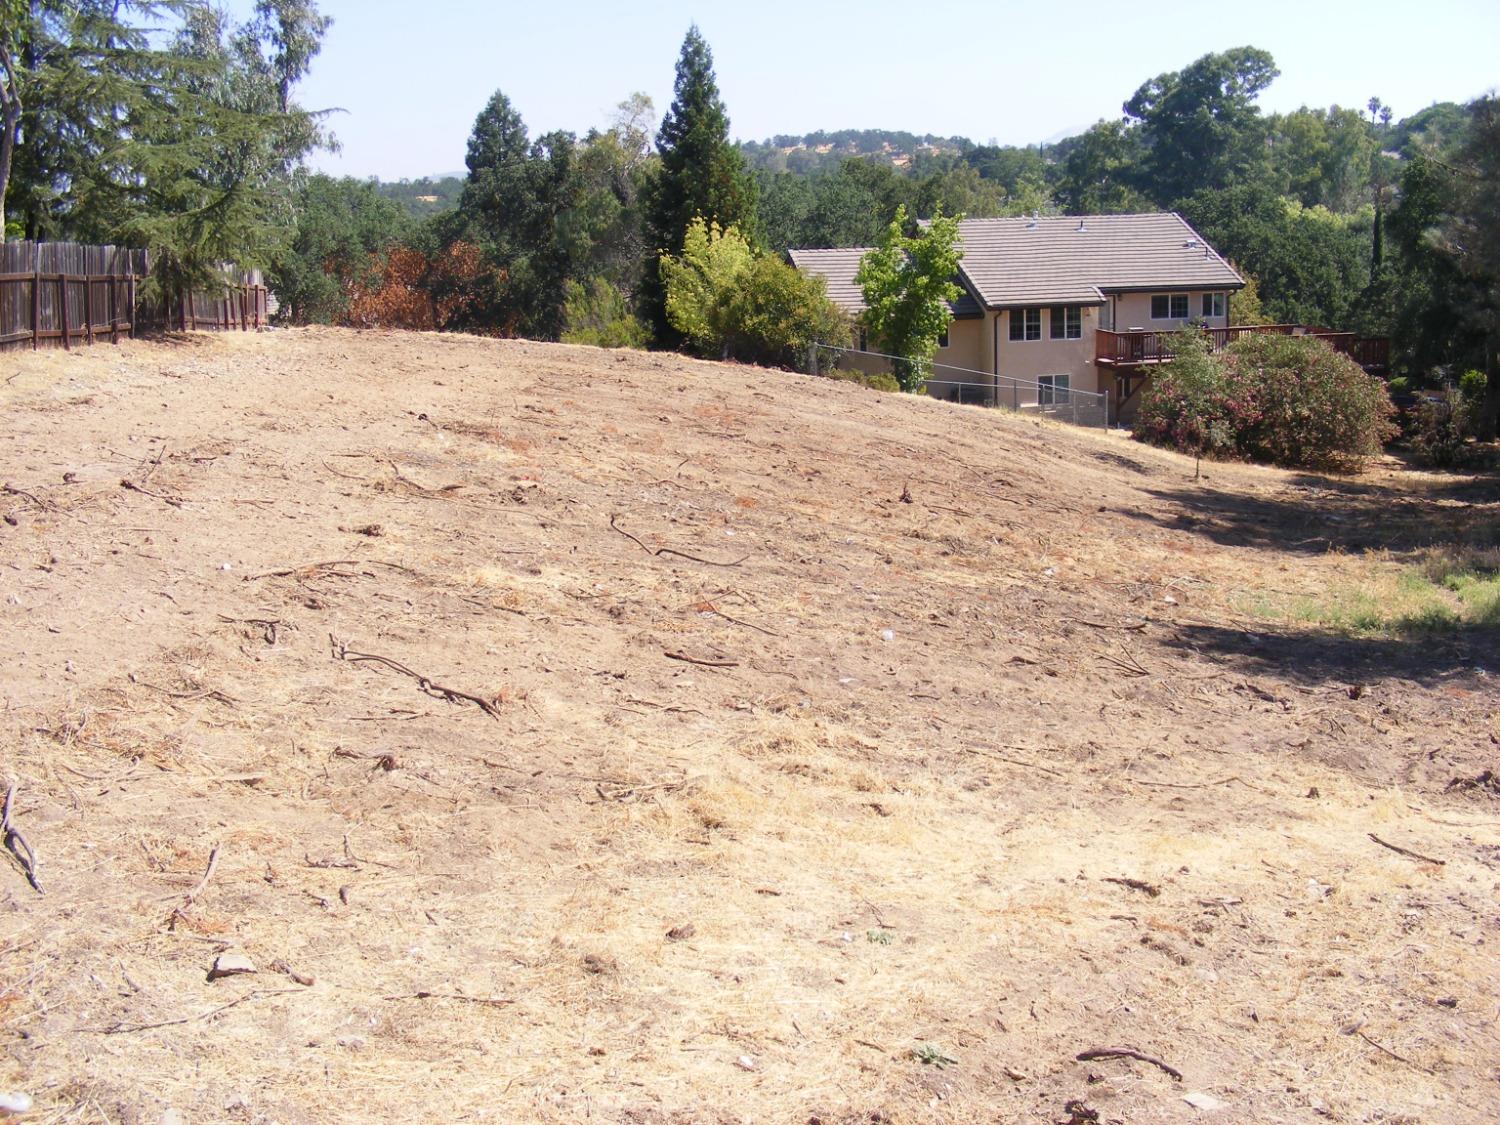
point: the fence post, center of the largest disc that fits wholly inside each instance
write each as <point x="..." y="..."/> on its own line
<point x="812" y="359"/>
<point x="36" y="296"/>
<point x="62" y="293"/>
<point x="88" y="306"/>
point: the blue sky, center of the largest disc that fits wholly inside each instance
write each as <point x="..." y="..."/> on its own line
<point x="412" y="76"/>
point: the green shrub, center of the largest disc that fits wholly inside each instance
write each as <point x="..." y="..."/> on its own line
<point x="1439" y="433"/>
<point x="1398" y="385"/>
<point x="732" y="303"/>
<point x="1286" y="400"/>
<point x="1472" y="385"/>
<point x="596" y="314"/>
<point x="878" y="381"/>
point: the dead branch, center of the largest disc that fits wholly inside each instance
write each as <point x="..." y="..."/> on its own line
<point x="309" y="568"/>
<point x="660" y="551"/>
<point x="267" y="625"/>
<point x="1406" y="852"/>
<point x="208" y="873"/>
<point x="130" y="486"/>
<point x="1127" y="1053"/>
<point x="181" y="912"/>
<point x="1129" y="627"/>
<point x="686" y="659"/>
<point x="128" y="1028"/>
<point x="1198" y="785"/>
<point x="1387" y="1051"/>
<point x="436" y="690"/>
<point x="1135" y="885"/>
<point x="15" y="843"/>
<point x="492" y="1001"/>
<point x="45" y="505"/>
<point x="709" y="607"/>
<point x="984" y="752"/>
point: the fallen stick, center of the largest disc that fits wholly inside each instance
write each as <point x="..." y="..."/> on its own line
<point x="180" y="912"/>
<point x="494" y="1002"/>
<point x="1406" y="852"/>
<point x="131" y="486"/>
<point x="308" y="568"/>
<point x="45" y="505"/>
<point x="1387" y="1051"/>
<point x="660" y="551"/>
<point x="1135" y="885"/>
<point x="16" y="844"/>
<point x="128" y="1028"/>
<point x="686" y="659"/>
<point x="436" y="690"/>
<point x="1127" y="1053"/>
<point x="1129" y="628"/>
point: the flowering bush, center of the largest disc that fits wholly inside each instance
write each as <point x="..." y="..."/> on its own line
<point x="1288" y="400"/>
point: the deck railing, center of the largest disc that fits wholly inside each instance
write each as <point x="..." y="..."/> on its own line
<point x="1130" y="348"/>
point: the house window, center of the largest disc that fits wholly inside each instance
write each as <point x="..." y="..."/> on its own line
<point x="1169" y="306"/>
<point x="1052" y="390"/>
<point x="1213" y="304"/>
<point x="943" y="339"/>
<point x="1067" y="322"/>
<point x="1025" y="324"/>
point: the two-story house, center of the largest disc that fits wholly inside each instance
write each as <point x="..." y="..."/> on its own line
<point x="1052" y="304"/>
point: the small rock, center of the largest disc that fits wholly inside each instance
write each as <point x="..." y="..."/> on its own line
<point x="231" y="965"/>
<point x="681" y="933"/>
<point x="352" y="1042"/>
<point x="745" y="1062"/>
<point x="1203" y="1101"/>
<point x="13" y="1102"/>
<point x="171" y="1117"/>
<point x="887" y="634"/>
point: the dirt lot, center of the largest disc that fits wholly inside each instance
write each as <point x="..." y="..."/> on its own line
<point x="599" y="736"/>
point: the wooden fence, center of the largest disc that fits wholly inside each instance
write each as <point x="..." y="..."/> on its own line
<point x="61" y="294"/>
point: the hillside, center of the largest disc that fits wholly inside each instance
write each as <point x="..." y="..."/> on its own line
<point x="582" y="735"/>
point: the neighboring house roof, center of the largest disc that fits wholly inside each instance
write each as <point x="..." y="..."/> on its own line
<point x="837" y="269"/>
<point x="1076" y="259"/>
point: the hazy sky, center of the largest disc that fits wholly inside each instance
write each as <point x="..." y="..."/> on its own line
<point x="411" y="76"/>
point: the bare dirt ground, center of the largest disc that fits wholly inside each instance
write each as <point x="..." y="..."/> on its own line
<point x="607" y="736"/>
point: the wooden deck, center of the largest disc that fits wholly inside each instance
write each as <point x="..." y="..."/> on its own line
<point x="1147" y="349"/>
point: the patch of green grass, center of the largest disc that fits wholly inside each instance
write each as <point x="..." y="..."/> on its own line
<point x="1446" y="592"/>
<point x="930" y="1054"/>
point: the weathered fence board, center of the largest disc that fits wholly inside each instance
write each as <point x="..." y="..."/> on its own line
<point x="64" y="294"/>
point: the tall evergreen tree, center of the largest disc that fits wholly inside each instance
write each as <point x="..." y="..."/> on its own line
<point x="518" y="200"/>
<point x="701" y="174"/>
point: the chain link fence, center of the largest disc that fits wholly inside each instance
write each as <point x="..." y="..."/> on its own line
<point x="1047" y="396"/>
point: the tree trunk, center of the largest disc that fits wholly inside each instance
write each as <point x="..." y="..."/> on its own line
<point x="10" y="120"/>
<point x="1489" y="408"/>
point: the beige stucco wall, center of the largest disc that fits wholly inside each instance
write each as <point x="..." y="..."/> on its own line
<point x="1026" y="359"/>
<point x="1133" y="310"/>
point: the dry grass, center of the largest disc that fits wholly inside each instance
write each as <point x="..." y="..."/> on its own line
<point x="879" y="825"/>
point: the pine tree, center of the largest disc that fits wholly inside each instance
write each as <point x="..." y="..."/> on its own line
<point x="702" y="175"/>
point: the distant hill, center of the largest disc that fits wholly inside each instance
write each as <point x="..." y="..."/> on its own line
<point x="814" y="152"/>
<point x="424" y="197"/>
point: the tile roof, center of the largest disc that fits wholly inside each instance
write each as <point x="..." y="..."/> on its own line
<point x="1049" y="260"/>
<point x="837" y="269"/>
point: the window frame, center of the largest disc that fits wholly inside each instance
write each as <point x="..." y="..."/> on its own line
<point x="1213" y="304"/>
<point x="943" y="339"/>
<point x="1171" y="299"/>
<point x="1028" y="318"/>
<point x="1072" y="322"/>
<point x="1051" y="392"/>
